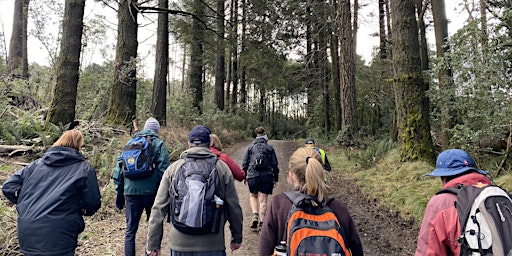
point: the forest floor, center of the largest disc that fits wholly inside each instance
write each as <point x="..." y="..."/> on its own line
<point x="382" y="231"/>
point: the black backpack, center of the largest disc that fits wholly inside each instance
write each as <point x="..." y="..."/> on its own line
<point x="485" y="215"/>
<point x="260" y="157"/>
<point x="193" y="188"/>
<point x="137" y="158"/>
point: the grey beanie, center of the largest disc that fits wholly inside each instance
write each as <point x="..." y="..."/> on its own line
<point x="152" y="124"/>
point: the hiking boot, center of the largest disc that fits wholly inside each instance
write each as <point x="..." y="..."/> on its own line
<point x="260" y="225"/>
<point x="255" y="220"/>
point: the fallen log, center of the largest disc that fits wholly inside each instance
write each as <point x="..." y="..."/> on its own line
<point x="11" y="150"/>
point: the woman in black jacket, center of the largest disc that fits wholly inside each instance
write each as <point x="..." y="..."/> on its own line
<point x="51" y="196"/>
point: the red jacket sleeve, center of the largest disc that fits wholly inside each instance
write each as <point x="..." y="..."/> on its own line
<point x="238" y="173"/>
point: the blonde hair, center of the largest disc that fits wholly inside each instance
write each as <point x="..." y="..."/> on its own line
<point x="71" y="139"/>
<point x="306" y="165"/>
<point x="215" y="142"/>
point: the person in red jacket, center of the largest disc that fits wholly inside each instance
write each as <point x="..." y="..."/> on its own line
<point x="216" y="148"/>
<point x="440" y="228"/>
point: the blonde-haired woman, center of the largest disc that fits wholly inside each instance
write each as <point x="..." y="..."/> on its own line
<point x="307" y="176"/>
<point x="51" y="196"/>
<point x="216" y="148"/>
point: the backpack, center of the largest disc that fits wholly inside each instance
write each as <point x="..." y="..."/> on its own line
<point x="137" y="158"/>
<point x="485" y="215"/>
<point x="313" y="230"/>
<point x="260" y="158"/>
<point x="193" y="189"/>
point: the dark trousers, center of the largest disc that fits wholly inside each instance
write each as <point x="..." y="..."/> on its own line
<point x="215" y="253"/>
<point x="135" y="205"/>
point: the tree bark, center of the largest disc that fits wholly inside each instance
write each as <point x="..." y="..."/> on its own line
<point x="122" y="108"/>
<point x="18" y="60"/>
<point x="444" y="75"/>
<point x="196" y="57"/>
<point x="412" y="113"/>
<point x="159" y="100"/>
<point x="347" y="74"/>
<point x="62" y="108"/>
<point x="335" y="66"/>
<point x="220" y="69"/>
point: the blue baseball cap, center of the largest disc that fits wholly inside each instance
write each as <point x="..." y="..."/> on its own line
<point x="199" y="135"/>
<point x="452" y="162"/>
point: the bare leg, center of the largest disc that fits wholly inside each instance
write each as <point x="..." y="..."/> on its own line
<point x="253" y="200"/>
<point x="262" y="198"/>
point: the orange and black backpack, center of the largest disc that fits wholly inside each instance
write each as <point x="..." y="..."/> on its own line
<point x="313" y="229"/>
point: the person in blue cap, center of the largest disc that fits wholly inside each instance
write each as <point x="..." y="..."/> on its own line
<point x="440" y="228"/>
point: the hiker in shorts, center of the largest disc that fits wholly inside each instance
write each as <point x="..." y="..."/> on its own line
<point x="307" y="176"/>
<point x="310" y="142"/>
<point x="139" y="194"/>
<point x="261" y="179"/>
<point x="183" y="243"/>
<point x="440" y="228"/>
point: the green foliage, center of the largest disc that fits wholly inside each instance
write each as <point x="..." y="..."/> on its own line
<point x="95" y="80"/>
<point x="371" y="154"/>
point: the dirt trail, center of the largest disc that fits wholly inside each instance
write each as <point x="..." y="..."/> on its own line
<point x="382" y="231"/>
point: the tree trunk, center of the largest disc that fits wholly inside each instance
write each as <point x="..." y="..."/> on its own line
<point x="220" y="69"/>
<point x="444" y="75"/>
<point x="18" y="60"/>
<point x="382" y="31"/>
<point x="335" y="68"/>
<point x="347" y="74"/>
<point x="412" y="113"/>
<point x="159" y="100"/>
<point x="234" y="54"/>
<point x="243" y="79"/>
<point x="62" y="108"/>
<point x="196" y="57"/>
<point x="122" y="108"/>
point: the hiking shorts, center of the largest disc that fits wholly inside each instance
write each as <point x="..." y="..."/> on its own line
<point x="263" y="184"/>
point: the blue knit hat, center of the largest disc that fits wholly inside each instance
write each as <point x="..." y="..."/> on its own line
<point x="199" y="135"/>
<point x="452" y="162"/>
<point x="152" y="124"/>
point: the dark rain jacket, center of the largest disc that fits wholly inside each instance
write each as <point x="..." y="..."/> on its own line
<point x="247" y="165"/>
<point x="51" y="196"/>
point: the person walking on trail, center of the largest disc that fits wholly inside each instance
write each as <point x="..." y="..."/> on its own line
<point x="216" y="148"/>
<point x="51" y="195"/>
<point x="185" y="195"/>
<point x="139" y="193"/>
<point x="262" y="173"/>
<point x="307" y="176"/>
<point x="440" y="228"/>
<point x="310" y="142"/>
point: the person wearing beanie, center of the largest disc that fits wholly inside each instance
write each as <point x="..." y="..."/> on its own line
<point x="440" y="227"/>
<point x="310" y="143"/>
<point x="260" y="178"/>
<point x="139" y="194"/>
<point x="180" y="243"/>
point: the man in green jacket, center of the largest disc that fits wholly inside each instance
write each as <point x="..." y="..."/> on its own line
<point x="139" y="194"/>
<point x="210" y="243"/>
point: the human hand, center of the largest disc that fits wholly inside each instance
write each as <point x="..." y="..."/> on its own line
<point x="153" y="253"/>
<point x="235" y="246"/>
<point x="245" y="182"/>
<point x="120" y="201"/>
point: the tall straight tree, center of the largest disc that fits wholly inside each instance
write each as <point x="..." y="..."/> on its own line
<point x="412" y="113"/>
<point x="444" y="75"/>
<point x="122" y="108"/>
<point x="220" y="69"/>
<point x="62" y="108"/>
<point x="234" y="54"/>
<point x="347" y="74"/>
<point x="18" y="60"/>
<point x="158" y="103"/>
<point x="196" y="55"/>
<point x="335" y="64"/>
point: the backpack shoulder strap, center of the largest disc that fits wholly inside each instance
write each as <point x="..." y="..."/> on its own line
<point x="450" y="190"/>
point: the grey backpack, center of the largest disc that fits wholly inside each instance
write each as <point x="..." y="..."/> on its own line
<point x="485" y="215"/>
<point x="193" y="188"/>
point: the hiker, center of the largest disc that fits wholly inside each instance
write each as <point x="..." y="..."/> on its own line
<point x="262" y="173"/>
<point x="310" y="142"/>
<point x="193" y="230"/>
<point x="306" y="174"/>
<point x="440" y="228"/>
<point x="139" y="194"/>
<point x="216" y="148"/>
<point x="51" y="195"/>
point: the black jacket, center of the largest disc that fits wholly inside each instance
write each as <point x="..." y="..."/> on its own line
<point x="51" y="195"/>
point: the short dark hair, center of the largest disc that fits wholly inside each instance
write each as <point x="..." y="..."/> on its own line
<point x="260" y="130"/>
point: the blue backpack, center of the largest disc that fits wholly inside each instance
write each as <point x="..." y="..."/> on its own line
<point x="137" y="158"/>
